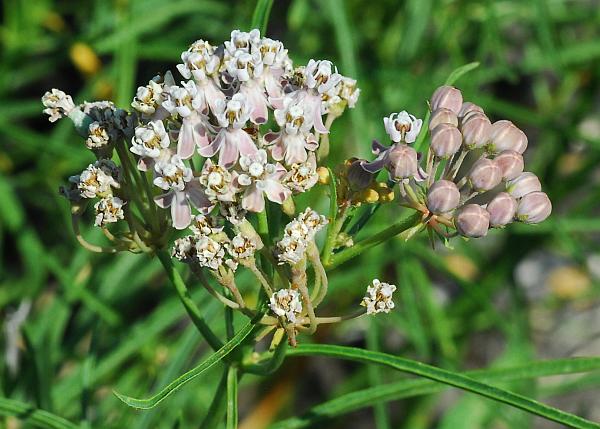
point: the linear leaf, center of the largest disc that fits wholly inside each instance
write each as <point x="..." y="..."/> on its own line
<point x="153" y="401"/>
<point x="457" y="73"/>
<point x="39" y="418"/>
<point x="450" y="378"/>
<point x="260" y="17"/>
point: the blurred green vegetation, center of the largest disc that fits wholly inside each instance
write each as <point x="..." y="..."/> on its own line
<point x="103" y="322"/>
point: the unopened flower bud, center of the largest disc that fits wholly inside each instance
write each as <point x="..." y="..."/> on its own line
<point x="402" y="162"/>
<point x="534" y="207"/>
<point x="475" y="131"/>
<point x="443" y="196"/>
<point x="525" y="183"/>
<point x="502" y="209"/>
<point x="368" y="196"/>
<point x="468" y="107"/>
<point x="504" y="135"/>
<point x="442" y="116"/>
<point x="385" y="193"/>
<point x="485" y="175"/>
<point x="445" y="140"/>
<point x="447" y="97"/>
<point x="324" y="176"/>
<point x="511" y="163"/>
<point x="357" y="176"/>
<point x="473" y="221"/>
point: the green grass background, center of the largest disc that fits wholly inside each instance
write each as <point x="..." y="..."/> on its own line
<point x="103" y="322"/>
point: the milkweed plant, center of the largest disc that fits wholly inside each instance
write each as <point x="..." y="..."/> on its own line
<point x="206" y="167"/>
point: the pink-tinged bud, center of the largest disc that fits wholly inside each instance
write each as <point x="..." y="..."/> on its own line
<point x="472" y="221"/>
<point x="511" y="163"/>
<point x="445" y="140"/>
<point x="447" y="97"/>
<point x="402" y="162"/>
<point x="504" y="135"/>
<point x="523" y="184"/>
<point x="442" y="116"/>
<point x="502" y="209"/>
<point x="443" y="197"/>
<point x="475" y="131"/>
<point x="468" y="107"/>
<point x="534" y="207"/>
<point x="485" y="175"/>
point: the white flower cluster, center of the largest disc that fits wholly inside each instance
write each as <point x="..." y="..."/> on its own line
<point x="286" y="303"/>
<point x="210" y="247"/>
<point x="297" y="236"/>
<point x="379" y="297"/>
<point x="216" y="112"/>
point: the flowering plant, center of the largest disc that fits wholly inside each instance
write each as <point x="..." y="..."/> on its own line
<point x="207" y="168"/>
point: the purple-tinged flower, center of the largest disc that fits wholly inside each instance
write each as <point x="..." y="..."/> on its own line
<point x="402" y="162"/>
<point x="402" y="127"/>
<point x="485" y="175"/>
<point x="472" y="221"/>
<point x="504" y="135"/>
<point x="475" y="130"/>
<point x="302" y="176"/>
<point x="445" y="140"/>
<point x="199" y="61"/>
<point x="443" y="197"/>
<point x="511" y="163"/>
<point x="150" y="140"/>
<point x="148" y="99"/>
<point x="442" y="116"/>
<point x="217" y="182"/>
<point x="260" y="179"/>
<point x="525" y="183"/>
<point x="447" y="97"/>
<point x="534" y="207"/>
<point x="295" y="139"/>
<point x="176" y="178"/>
<point x="467" y="108"/>
<point x="232" y="140"/>
<point x="502" y="209"/>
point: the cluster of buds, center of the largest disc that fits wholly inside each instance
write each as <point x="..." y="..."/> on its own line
<point x="471" y="177"/>
<point x="225" y="151"/>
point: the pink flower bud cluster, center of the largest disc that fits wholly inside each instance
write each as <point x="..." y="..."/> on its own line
<point x="471" y="177"/>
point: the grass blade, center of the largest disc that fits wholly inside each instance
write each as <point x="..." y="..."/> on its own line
<point x="459" y="72"/>
<point x="232" y="395"/>
<point x="260" y="17"/>
<point x="450" y="378"/>
<point x="153" y="401"/>
<point x="38" y="418"/>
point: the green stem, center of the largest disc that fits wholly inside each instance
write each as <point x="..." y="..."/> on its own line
<point x="190" y="306"/>
<point x="215" y="413"/>
<point x="374" y="240"/>
<point x="232" y="395"/>
<point x="332" y="234"/>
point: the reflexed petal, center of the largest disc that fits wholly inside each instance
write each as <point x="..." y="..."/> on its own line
<point x="275" y="191"/>
<point x="214" y="147"/>
<point x="253" y="200"/>
<point x="243" y="142"/>
<point x="294" y="151"/>
<point x="186" y="143"/>
<point x="377" y="147"/>
<point x="213" y="95"/>
<point x="181" y="213"/>
<point x="197" y="197"/>
<point x="376" y="165"/>
<point x="164" y="200"/>
<point x="228" y="155"/>
<point x="258" y="103"/>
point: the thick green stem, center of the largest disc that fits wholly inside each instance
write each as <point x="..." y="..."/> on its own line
<point x="190" y="306"/>
<point x="380" y="237"/>
<point x="232" y="395"/>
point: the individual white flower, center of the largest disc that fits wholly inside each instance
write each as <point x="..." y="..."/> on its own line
<point x="97" y="180"/>
<point x="231" y="140"/>
<point x="108" y="210"/>
<point x="217" y="182"/>
<point x="183" y="100"/>
<point x="150" y="140"/>
<point x="172" y="174"/>
<point x="241" y="247"/>
<point x="97" y="136"/>
<point x="402" y="127"/>
<point x="183" y="248"/>
<point x="241" y="40"/>
<point x="205" y="225"/>
<point x="321" y="75"/>
<point x="348" y="91"/>
<point x="57" y="104"/>
<point x="244" y="66"/>
<point x="199" y="61"/>
<point x="148" y="99"/>
<point x="286" y="303"/>
<point x="379" y="297"/>
<point x="209" y="252"/>
<point x="302" y="176"/>
<point x="294" y="140"/>
<point x="272" y="53"/>
<point x="291" y="249"/>
<point x="313" y="221"/>
<point x="260" y="179"/>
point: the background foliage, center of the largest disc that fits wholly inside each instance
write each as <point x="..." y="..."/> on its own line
<point x="99" y="323"/>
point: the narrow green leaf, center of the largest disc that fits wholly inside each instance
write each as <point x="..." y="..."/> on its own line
<point x="457" y="73"/>
<point x="153" y="401"/>
<point x="450" y="378"/>
<point x="232" y="395"/>
<point x="38" y="418"/>
<point x="260" y="17"/>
